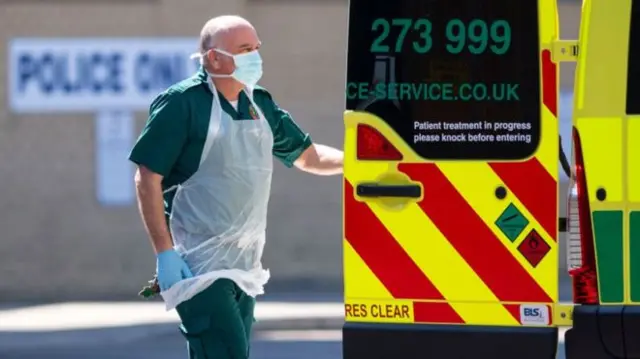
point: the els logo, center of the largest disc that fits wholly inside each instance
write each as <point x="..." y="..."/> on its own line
<point x="534" y="314"/>
<point x="531" y="312"/>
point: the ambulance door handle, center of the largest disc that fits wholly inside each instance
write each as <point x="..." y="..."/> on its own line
<point x="374" y="190"/>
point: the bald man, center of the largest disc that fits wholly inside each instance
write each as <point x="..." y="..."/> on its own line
<point x="205" y="159"/>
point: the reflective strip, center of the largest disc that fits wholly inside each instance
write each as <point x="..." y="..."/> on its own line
<point x="473" y="239"/>
<point x="388" y="261"/>
<point x="520" y="179"/>
<point x="609" y="237"/>
<point x="548" y="151"/>
<point x="601" y="140"/>
<point x="549" y="82"/>
<point x="479" y="196"/>
<point x="358" y="278"/>
<point x="412" y="229"/>
<point x="634" y="256"/>
<point x="429" y="312"/>
<point x="380" y="311"/>
<point x="633" y="159"/>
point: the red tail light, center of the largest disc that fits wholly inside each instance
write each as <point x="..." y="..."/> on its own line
<point x="585" y="280"/>
<point x="372" y="145"/>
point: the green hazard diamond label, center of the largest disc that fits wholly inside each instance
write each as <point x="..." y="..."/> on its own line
<point x="511" y="222"/>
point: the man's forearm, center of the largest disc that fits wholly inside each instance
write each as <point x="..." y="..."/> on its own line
<point x="151" y="206"/>
<point x="322" y="160"/>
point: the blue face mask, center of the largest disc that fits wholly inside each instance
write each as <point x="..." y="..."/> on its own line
<point x="248" y="67"/>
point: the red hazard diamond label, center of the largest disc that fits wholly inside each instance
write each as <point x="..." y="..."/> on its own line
<point x="534" y="248"/>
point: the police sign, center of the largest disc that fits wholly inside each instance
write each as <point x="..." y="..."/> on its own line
<point x="90" y="74"/>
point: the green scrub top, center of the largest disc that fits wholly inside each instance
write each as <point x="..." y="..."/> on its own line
<point x="174" y="135"/>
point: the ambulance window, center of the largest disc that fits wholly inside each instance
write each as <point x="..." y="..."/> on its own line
<point x="456" y="79"/>
<point x="633" y="71"/>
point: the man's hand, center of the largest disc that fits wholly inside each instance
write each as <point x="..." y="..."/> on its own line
<point x="321" y="160"/>
<point x="171" y="269"/>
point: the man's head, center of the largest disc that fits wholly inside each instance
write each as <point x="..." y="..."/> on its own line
<point x="225" y="36"/>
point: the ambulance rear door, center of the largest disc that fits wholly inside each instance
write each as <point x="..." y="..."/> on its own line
<point x="451" y="179"/>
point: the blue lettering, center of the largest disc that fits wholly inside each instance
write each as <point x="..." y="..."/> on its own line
<point x="157" y="72"/>
<point x="115" y="83"/>
<point x="47" y="73"/>
<point x="96" y="72"/>
<point x="68" y="85"/>
<point x="142" y="72"/>
<point x="96" y="84"/>
<point x="53" y="73"/>
<point x="531" y="312"/>
<point x="84" y="73"/>
<point x="164" y="70"/>
<point x="26" y="71"/>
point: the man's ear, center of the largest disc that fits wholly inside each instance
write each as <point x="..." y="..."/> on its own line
<point x="212" y="58"/>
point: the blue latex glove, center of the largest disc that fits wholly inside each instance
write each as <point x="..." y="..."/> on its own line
<point x="171" y="269"/>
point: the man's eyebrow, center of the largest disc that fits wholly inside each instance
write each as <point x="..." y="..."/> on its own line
<point x="248" y="46"/>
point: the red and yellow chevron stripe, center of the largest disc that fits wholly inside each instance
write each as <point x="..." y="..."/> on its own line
<point x="442" y="253"/>
<point x="442" y="258"/>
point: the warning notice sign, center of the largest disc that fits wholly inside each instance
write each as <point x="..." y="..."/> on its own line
<point x="474" y="132"/>
<point x="512" y="222"/>
<point x="396" y="311"/>
<point x="534" y="248"/>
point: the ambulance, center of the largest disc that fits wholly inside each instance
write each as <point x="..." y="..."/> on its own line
<point x="604" y="205"/>
<point x="451" y="181"/>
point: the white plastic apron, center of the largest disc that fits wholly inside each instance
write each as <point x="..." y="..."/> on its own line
<point x="219" y="215"/>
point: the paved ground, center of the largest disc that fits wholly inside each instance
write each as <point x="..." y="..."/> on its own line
<point x="267" y="345"/>
<point x="285" y="330"/>
<point x="308" y="345"/>
<point x="289" y="326"/>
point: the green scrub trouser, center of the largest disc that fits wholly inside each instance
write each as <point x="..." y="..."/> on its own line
<point x="217" y="322"/>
